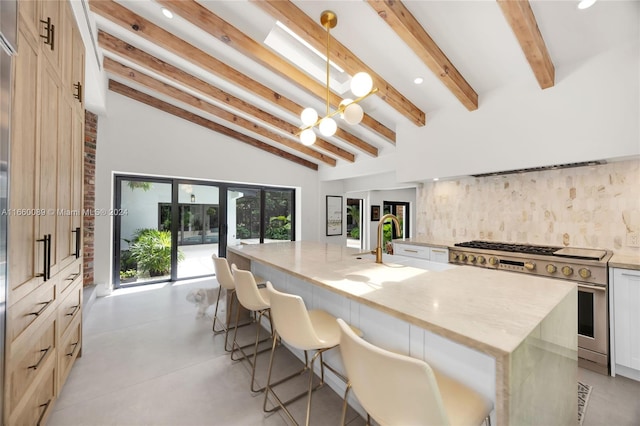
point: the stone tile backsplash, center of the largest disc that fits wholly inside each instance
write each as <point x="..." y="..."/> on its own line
<point x="591" y="207"/>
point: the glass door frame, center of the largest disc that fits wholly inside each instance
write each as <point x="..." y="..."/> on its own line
<point x="406" y="220"/>
<point x="223" y="188"/>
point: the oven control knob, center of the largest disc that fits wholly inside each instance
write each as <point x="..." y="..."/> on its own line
<point x="567" y="271"/>
<point x="551" y="269"/>
<point x="584" y="273"/>
<point x="472" y="258"/>
<point x="462" y="257"/>
<point x="454" y="256"/>
<point x="481" y="260"/>
<point x="530" y="266"/>
<point x="493" y="260"/>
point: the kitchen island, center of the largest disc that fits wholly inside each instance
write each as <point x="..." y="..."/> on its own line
<point x="510" y="336"/>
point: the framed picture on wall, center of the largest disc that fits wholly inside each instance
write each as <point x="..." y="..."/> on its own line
<point x="334" y="215"/>
<point x="375" y="213"/>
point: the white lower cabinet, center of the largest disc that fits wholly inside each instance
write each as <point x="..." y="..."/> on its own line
<point x="624" y="293"/>
<point x="434" y="254"/>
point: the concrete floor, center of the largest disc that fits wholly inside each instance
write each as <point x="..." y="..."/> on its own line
<point x="147" y="360"/>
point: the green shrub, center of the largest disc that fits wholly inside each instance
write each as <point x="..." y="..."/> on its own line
<point x="355" y="233"/>
<point x="151" y="249"/>
<point x="279" y="228"/>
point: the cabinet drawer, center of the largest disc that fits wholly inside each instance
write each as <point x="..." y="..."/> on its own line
<point x="25" y="371"/>
<point x="70" y="275"/>
<point x="70" y="308"/>
<point x="68" y="351"/>
<point x="39" y="404"/>
<point x="37" y="304"/>
<point x="439" y="255"/>
<point x="420" y="252"/>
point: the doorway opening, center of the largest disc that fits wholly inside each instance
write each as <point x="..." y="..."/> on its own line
<point x="354" y="222"/>
<point x="401" y="210"/>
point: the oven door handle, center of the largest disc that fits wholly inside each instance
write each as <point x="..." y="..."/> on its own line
<point x="592" y="287"/>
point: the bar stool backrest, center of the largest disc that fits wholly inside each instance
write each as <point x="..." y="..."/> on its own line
<point x="223" y="273"/>
<point x="247" y="290"/>
<point x="291" y="320"/>
<point x="394" y="389"/>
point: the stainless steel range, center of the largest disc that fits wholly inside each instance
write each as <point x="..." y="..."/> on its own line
<point x="587" y="267"/>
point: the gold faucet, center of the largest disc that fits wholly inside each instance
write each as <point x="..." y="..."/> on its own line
<point x="380" y="226"/>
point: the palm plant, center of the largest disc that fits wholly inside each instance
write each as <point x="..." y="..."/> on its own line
<point x="152" y="252"/>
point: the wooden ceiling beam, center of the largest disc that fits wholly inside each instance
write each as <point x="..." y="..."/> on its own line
<point x="158" y="86"/>
<point x="316" y="35"/>
<point x="153" y="33"/>
<point x="119" y="47"/>
<point x="209" y="22"/>
<point x="400" y="19"/>
<point x="136" y="95"/>
<point x="523" y="22"/>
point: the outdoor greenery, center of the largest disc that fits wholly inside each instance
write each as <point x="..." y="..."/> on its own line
<point x="145" y="186"/>
<point x="279" y="228"/>
<point x="277" y="208"/>
<point x="151" y="249"/>
<point x="353" y="210"/>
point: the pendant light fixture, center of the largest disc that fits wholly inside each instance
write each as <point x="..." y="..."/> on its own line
<point x="361" y="86"/>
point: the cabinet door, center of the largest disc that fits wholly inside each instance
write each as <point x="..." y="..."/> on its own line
<point x="22" y="232"/>
<point x="77" y="69"/>
<point x="51" y="32"/>
<point x="48" y="166"/>
<point x="626" y="306"/>
<point x="65" y="238"/>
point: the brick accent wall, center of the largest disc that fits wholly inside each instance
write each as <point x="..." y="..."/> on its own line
<point x="90" y="139"/>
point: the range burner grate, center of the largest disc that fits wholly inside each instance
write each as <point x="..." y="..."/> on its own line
<point x="509" y="247"/>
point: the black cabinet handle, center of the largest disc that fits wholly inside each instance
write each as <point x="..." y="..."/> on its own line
<point x="75" y="346"/>
<point x="78" y="94"/>
<point x="42" y="357"/>
<point x="75" y="309"/>
<point x="44" y="257"/>
<point x="77" y="232"/>
<point x="50" y="31"/>
<point x="45" y="304"/>
<point x="45" y="405"/>
<point x="48" y="256"/>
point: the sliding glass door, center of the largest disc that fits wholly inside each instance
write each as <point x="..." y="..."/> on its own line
<point x="172" y="226"/>
<point x="142" y="244"/>
<point x="198" y="229"/>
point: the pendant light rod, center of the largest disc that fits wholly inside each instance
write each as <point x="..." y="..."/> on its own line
<point x="349" y="110"/>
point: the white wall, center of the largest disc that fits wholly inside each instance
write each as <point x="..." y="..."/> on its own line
<point x="591" y="113"/>
<point x="134" y="138"/>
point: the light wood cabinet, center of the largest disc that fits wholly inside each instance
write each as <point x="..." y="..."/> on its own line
<point x="44" y="304"/>
<point x="624" y="293"/>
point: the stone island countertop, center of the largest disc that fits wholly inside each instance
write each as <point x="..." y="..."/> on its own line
<point x="491" y="311"/>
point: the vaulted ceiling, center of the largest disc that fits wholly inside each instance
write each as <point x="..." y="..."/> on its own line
<point x="210" y="64"/>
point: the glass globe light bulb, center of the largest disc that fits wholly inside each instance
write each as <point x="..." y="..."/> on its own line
<point x="361" y="84"/>
<point x="353" y="114"/>
<point x="307" y="137"/>
<point x="344" y="103"/>
<point x="309" y="116"/>
<point x="328" y="126"/>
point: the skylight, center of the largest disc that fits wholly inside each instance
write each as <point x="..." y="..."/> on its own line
<point x="301" y="54"/>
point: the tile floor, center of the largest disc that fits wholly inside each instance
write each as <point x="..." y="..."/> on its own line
<point x="146" y="360"/>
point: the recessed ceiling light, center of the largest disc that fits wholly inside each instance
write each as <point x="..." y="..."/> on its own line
<point x="436" y="179"/>
<point x="418" y="80"/>
<point x="584" y="4"/>
<point x="166" y="12"/>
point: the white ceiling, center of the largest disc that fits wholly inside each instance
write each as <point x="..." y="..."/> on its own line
<point x="473" y="34"/>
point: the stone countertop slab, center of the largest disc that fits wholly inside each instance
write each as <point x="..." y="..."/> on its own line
<point x="625" y="261"/>
<point x="491" y="311"/>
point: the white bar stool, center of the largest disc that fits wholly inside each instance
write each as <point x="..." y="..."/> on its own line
<point x="314" y="330"/>
<point x="397" y="389"/>
<point x="256" y="300"/>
